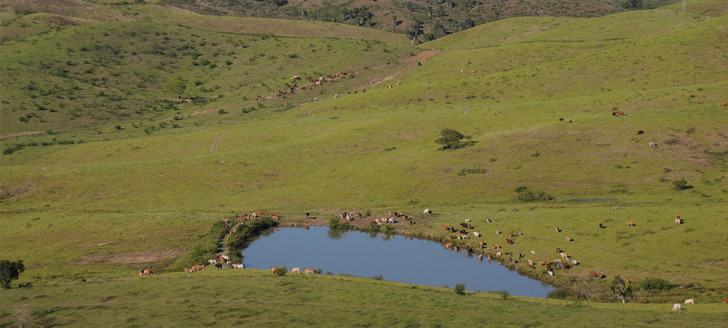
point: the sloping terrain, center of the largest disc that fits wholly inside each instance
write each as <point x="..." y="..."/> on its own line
<point x="111" y="170"/>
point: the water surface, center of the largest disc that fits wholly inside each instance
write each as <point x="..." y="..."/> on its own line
<point x="394" y="258"/>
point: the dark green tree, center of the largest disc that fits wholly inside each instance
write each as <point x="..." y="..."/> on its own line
<point x="10" y="271"/>
<point x="452" y="139"/>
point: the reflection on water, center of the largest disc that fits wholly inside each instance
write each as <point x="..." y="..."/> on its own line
<point x="393" y="257"/>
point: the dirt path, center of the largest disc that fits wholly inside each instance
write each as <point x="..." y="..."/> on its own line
<point x="20" y="134"/>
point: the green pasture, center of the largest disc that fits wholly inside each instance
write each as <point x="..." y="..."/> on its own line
<point x="112" y="178"/>
<point x="257" y="298"/>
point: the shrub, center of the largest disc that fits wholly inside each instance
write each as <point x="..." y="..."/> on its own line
<point x="681" y="184"/>
<point x="459" y="289"/>
<point x="655" y="284"/>
<point x="280" y="271"/>
<point x="452" y="139"/>
<point x="504" y="295"/>
<point x="526" y="195"/>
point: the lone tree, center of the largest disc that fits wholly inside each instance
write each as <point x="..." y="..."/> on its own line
<point x="10" y="271"/>
<point x="452" y="139"/>
<point x="175" y="87"/>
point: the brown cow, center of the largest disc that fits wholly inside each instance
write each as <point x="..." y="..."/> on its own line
<point x="542" y="263"/>
<point x="496" y="246"/>
<point x="274" y="269"/>
<point x="510" y="241"/>
<point x="308" y="271"/>
<point x="724" y="104"/>
<point x="630" y="224"/>
<point x="725" y="301"/>
<point x="678" y="220"/>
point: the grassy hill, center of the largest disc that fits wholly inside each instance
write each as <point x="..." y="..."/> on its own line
<point x="112" y="173"/>
<point x="257" y="298"/>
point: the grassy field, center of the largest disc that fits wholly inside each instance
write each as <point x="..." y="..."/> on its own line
<point x="102" y="176"/>
<point x="257" y="298"/>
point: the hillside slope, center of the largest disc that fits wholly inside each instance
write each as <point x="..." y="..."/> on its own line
<point x="116" y="184"/>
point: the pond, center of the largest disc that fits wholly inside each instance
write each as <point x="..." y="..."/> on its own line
<point x="394" y="258"/>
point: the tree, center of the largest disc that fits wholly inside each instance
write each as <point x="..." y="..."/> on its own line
<point x="621" y="289"/>
<point x="452" y="139"/>
<point x="10" y="271"/>
<point x="175" y="87"/>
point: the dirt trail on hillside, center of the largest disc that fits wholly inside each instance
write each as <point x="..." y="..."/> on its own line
<point x="414" y="60"/>
<point x="20" y="134"/>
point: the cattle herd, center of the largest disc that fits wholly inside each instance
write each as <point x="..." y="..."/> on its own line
<point x="460" y="233"/>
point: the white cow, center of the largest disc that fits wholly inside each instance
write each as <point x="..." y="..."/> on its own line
<point x="676" y="307"/>
<point x="427" y="211"/>
<point x="238" y="266"/>
<point x="689" y="301"/>
<point x="476" y="234"/>
<point x="467" y="221"/>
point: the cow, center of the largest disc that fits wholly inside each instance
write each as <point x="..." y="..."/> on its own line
<point x="678" y="220"/>
<point x="510" y="241"/>
<point x="724" y="104"/>
<point x="476" y="234"/>
<point x="496" y="246"/>
<point x="574" y="262"/>
<point x="444" y="227"/>
<point x="725" y="300"/>
<point x="238" y="266"/>
<point x="618" y="113"/>
<point x="557" y="229"/>
<point x="689" y="301"/>
<point x="308" y="271"/>
<point x="467" y="221"/>
<point x="218" y="266"/>
<point x="449" y="245"/>
<point x="212" y="261"/>
<point x="198" y="267"/>
<point x="564" y="255"/>
<point x="568" y="239"/>
<point x="274" y="269"/>
<point x="592" y="273"/>
<point x="558" y="250"/>
<point x="488" y="220"/>
<point x="497" y="253"/>
<point x="296" y="270"/>
<point x="427" y="211"/>
<point x="561" y="119"/>
<point x="530" y="262"/>
<point x="551" y="273"/>
<point x="676" y="307"/>
<point x="640" y="132"/>
<point x="542" y="263"/>
<point x="146" y="272"/>
<point x="630" y="224"/>
<point x="652" y="144"/>
<point x="497" y="232"/>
